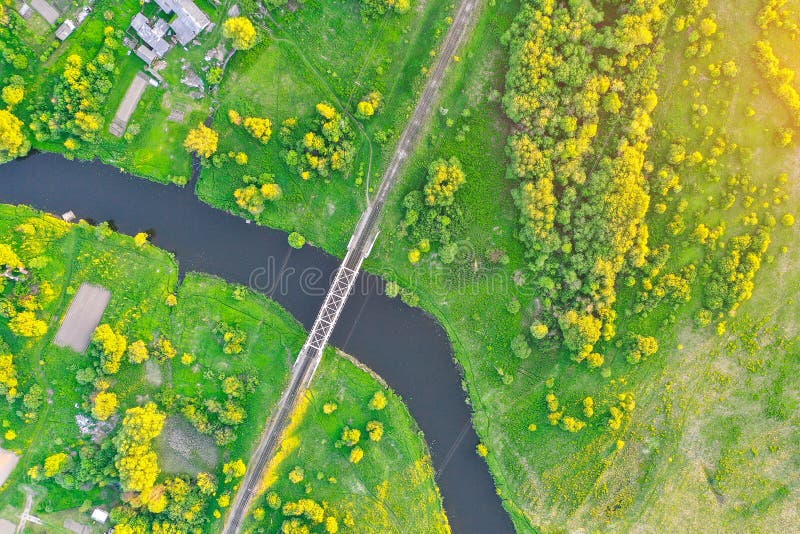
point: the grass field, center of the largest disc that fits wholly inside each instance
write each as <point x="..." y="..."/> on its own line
<point x="143" y="280"/>
<point x="301" y="63"/>
<point x="391" y="489"/>
<point x="710" y="428"/>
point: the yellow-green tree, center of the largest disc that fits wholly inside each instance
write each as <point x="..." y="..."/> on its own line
<point x="12" y="95"/>
<point x="55" y="464"/>
<point x="234" y="469"/>
<point x="8" y="377"/>
<point x="26" y="324"/>
<point x="9" y="258"/>
<point x="241" y="31"/>
<point x="13" y="143"/>
<point x="136" y="462"/>
<point x="378" y="401"/>
<point x="259" y="127"/>
<point x="202" y="140"/>
<point x="137" y="352"/>
<point x="105" y="405"/>
<point x="445" y="177"/>
<point x="112" y="346"/>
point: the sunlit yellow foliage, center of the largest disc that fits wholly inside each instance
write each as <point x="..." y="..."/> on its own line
<point x="13" y="143"/>
<point x="378" y="401"/>
<point x="105" y="405"/>
<point x="258" y="127"/>
<point x="26" y="324"/>
<point x="8" y="377"/>
<point x="12" y="95"/>
<point x="55" y="464"/>
<point x="202" y="140"/>
<point x="241" y="31"/>
<point x="356" y="454"/>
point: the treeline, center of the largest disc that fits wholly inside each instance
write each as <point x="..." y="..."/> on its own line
<point x="581" y="88"/>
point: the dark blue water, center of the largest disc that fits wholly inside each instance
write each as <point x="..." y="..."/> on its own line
<point x="406" y="346"/>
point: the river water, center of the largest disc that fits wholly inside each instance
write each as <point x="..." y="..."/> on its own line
<point x="406" y="346"/>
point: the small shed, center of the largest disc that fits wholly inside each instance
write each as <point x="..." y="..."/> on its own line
<point x="25" y="10"/>
<point x="99" y="515"/>
<point x="65" y="30"/>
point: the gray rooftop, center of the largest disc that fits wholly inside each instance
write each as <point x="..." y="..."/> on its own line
<point x="190" y="20"/>
<point x="142" y="26"/>
<point x="65" y="30"/>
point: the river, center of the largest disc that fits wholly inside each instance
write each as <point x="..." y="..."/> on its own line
<point x="406" y="346"/>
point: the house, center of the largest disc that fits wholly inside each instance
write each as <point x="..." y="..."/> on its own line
<point x="152" y="35"/>
<point x="189" y="20"/>
<point x="65" y="30"/>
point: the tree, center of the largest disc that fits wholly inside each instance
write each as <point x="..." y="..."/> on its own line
<point x="351" y="436"/>
<point x="260" y="128"/>
<point x="202" y="140"/>
<point x="26" y="324"/>
<point x="13" y="143"/>
<point x="9" y="258"/>
<point x="356" y="454"/>
<point x="112" y="346"/>
<point x="136" y="462"/>
<point x="445" y="177"/>
<point x="55" y="464"/>
<point x="375" y="8"/>
<point x="378" y="401"/>
<point x="241" y="31"/>
<point x="8" y="377"/>
<point x="520" y="347"/>
<point x="12" y="95"/>
<point x="137" y="352"/>
<point x="539" y="330"/>
<point x="296" y="475"/>
<point x="164" y="350"/>
<point x="206" y="483"/>
<point x="234" y="469"/>
<point x="375" y="430"/>
<point x="369" y="105"/>
<point x="105" y="405"/>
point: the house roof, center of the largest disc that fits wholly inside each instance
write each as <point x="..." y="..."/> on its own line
<point x="65" y="30"/>
<point x="189" y="21"/>
<point x="141" y="25"/>
<point x="146" y="54"/>
<point x="100" y="515"/>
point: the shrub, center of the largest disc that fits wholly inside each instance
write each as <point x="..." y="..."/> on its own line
<point x="539" y="330"/>
<point x="296" y="240"/>
<point x="378" y="401"/>
<point x="356" y="455"/>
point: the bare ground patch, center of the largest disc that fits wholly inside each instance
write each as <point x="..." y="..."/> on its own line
<point x="83" y="316"/>
<point x="182" y="449"/>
